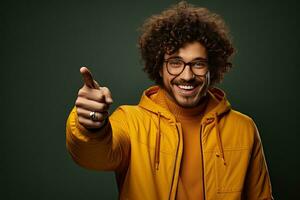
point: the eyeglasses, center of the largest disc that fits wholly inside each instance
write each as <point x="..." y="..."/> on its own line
<point x="176" y="66"/>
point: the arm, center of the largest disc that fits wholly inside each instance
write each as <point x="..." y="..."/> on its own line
<point x="105" y="149"/>
<point x="93" y="141"/>
<point x="257" y="185"/>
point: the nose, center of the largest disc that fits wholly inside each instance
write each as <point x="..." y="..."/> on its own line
<point x="187" y="74"/>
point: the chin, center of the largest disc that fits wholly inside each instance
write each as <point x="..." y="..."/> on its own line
<point x="187" y="103"/>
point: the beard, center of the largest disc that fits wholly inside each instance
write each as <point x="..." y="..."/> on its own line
<point x="189" y="98"/>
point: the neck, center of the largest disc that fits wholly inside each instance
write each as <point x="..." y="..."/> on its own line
<point x="184" y="112"/>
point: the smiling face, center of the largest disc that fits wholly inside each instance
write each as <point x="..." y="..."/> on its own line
<point x="186" y="88"/>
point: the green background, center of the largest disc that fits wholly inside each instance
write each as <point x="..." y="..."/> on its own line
<point x="44" y="43"/>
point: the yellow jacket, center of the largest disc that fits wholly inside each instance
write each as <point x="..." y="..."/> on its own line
<point x="143" y="145"/>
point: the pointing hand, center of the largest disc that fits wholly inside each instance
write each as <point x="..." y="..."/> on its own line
<point x="93" y="102"/>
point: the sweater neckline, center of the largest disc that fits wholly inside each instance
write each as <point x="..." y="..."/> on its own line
<point x="180" y="113"/>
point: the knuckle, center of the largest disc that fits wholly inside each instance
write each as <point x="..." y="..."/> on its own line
<point x="106" y="91"/>
<point x="99" y="91"/>
<point x="77" y="102"/>
<point x="100" y="96"/>
<point x="94" y="124"/>
<point x="97" y="124"/>
<point x="104" y="88"/>
<point x="79" y="111"/>
<point x="81" y="91"/>
<point x="80" y="120"/>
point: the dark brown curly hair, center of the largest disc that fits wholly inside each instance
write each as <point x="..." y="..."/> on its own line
<point x="182" y="23"/>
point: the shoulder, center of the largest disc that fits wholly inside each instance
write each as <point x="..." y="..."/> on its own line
<point x="240" y="117"/>
<point x="241" y="121"/>
<point x="240" y="128"/>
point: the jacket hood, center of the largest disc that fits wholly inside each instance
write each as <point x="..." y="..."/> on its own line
<point x="217" y="105"/>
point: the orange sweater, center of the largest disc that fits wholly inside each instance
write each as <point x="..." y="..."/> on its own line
<point x="190" y="184"/>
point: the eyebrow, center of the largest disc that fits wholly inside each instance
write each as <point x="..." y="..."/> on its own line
<point x="197" y="58"/>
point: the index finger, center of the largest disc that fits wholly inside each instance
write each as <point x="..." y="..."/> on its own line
<point x="87" y="77"/>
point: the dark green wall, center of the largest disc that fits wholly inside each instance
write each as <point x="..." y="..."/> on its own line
<point x="43" y="44"/>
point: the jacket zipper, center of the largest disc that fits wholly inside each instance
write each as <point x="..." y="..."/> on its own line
<point x="178" y="134"/>
<point x="202" y="159"/>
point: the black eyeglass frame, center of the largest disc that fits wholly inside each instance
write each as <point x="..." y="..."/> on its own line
<point x="185" y="64"/>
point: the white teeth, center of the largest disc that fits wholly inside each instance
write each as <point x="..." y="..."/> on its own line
<point x="186" y="87"/>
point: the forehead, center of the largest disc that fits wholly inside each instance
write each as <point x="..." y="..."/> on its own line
<point x="190" y="51"/>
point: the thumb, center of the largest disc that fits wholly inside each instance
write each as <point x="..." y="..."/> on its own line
<point x="107" y="95"/>
<point x="108" y="99"/>
<point x="96" y="84"/>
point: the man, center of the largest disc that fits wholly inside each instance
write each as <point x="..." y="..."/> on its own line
<point x="183" y="140"/>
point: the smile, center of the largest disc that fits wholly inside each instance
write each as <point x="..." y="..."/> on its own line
<point x="186" y="87"/>
<point x="186" y="90"/>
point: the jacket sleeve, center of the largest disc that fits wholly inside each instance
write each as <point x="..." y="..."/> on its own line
<point x="257" y="184"/>
<point x="106" y="149"/>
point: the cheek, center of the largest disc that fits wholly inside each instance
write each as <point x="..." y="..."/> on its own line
<point x="166" y="82"/>
<point x="167" y="78"/>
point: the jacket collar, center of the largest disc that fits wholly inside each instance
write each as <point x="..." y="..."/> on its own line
<point x="147" y="103"/>
<point x="217" y="105"/>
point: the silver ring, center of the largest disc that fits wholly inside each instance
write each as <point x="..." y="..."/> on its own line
<point x="93" y="116"/>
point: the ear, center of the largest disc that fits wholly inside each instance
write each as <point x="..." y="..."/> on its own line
<point x="161" y="72"/>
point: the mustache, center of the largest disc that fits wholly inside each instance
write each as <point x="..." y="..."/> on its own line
<point x="193" y="81"/>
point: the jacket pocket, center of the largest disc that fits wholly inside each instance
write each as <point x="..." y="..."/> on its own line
<point x="230" y="175"/>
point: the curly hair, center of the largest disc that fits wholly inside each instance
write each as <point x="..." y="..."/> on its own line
<point x="183" y="23"/>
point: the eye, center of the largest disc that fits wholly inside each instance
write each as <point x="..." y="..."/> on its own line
<point x="175" y="63"/>
<point x="199" y="64"/>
